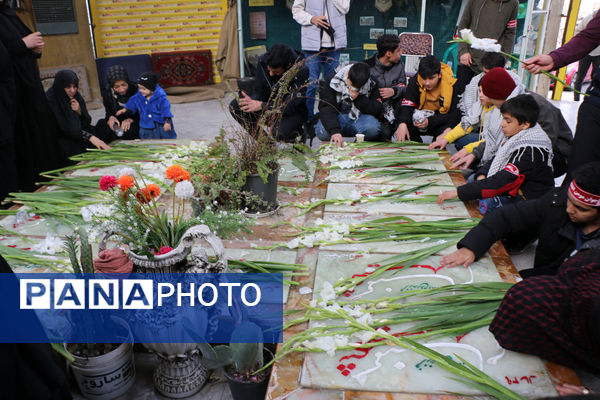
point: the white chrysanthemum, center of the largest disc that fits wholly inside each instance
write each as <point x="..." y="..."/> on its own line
<point x="184" y="190"/>
<point x="51" y="245"/>
<point x="127" y="171"/>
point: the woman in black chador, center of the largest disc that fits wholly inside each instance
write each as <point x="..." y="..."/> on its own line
<point x="34" y="137"/>
<point x="115" y="95"/>
<point x="8" y="164"/>
<point x="75" y="130"/>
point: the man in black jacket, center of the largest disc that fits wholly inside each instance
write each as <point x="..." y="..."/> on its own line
<point x="431" y="91"/>
<point x="567" y="220"/>
<point x="266" y="94"/>
<point x="349" y="104"/>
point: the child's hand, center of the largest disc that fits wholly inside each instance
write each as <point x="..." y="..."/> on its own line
<point x="458" y="155"/>
<point x="463" y="257"/>
<point x="440" y="142"/>
<point x="386" y="93"/>
<point x="481" y="177"/>
<point x="402" y="133"/>
<point x="125" y="125"/>
<point x="422" y="125"/>
<point x="75" y="106"/>
<point x="464" y="162"/>
<point x="167" y="127"/>
<point x="447" y="195"/>
<point x="121" y="111"/>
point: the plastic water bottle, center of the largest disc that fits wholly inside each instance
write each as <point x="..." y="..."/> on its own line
<point x="118" y="131"/>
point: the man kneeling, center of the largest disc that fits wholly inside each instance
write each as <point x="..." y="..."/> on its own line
<point x="349" y="105"/>
<point x="266" y="96"/>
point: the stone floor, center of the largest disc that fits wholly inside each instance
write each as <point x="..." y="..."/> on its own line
<point x="204" y="120"/>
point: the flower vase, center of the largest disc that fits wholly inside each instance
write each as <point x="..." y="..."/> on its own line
<point x="180" y="258"/>
<point x="179" y="373"/>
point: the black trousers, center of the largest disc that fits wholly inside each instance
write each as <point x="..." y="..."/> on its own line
<point x="289" y="128"/>
<point x="464" y="75"/>
<point x="586" y="144"/>
<point x="584" y="65"/>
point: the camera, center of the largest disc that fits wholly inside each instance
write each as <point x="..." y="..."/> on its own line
<point x="330" y="31"/>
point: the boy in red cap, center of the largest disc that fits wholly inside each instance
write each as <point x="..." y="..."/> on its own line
<point x="521" y="168"/>
<point x="498" y="86"/>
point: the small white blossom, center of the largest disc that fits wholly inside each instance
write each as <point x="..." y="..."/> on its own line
<point x="484" y="44"/>
<point x="184" y="190"/>
<point x="51" y="245"/>
<point x="305" y="290"/>
<point x="328" y="292"/>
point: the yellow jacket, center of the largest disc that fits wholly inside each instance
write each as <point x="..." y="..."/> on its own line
<point x="457" y="132"/>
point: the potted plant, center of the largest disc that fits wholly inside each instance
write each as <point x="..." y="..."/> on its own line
<point x="101" y="370"/>
<point x="242" y="167"/>
<point x="241" y="361"/>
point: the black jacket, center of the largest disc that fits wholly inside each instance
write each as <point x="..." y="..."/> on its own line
<point x="538" y="179"/>
<point x="547" y="215"/>
<point x="330" y="108"/>
<point x="391" y="76"/>
<point x="265" y="85"/>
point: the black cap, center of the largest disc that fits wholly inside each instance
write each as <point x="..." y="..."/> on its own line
<point x="148" y="80"/>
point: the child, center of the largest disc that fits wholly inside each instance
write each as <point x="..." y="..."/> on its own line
<point x="69" y="110"/>
<point x="387" y="70"/>
<point x="522" y="166"/>
<point x="115" y="95"/>
<point x="471" y="108"/>
<point x="154" y="108"/>
<point x="431" y="91"/>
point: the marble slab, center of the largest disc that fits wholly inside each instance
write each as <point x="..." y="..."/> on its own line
<point x="394" y="369"/>
<point x="384" y="246"/>
<point x="36" y="226"/>
<point x="343" y="191"/>
<point x="360" y="175"/>
<point x="288" y="172"/>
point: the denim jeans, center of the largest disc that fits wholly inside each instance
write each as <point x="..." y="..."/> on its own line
<point x="366" y="124"/>
<point x="327" y="60"/>
<point x="490" y="204"/>
<point x="158" y="132"/>
<point x="465" y="140"/>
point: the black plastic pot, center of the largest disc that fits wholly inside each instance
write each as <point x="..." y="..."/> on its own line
<point x="250" y="390"/>
<point x="266" y="192"/>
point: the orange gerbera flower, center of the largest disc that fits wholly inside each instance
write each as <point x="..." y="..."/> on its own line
<point x="125" y="182"/>
<point x="154" y="190"/>
<point x="176" y="173"/>
<point x="143" y="196"/>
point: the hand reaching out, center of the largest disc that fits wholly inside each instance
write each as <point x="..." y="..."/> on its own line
<point x="337" y="139"/>
<point x="99" y="143"/>
<point x="464" y="257"/>
<point x="541" y="62"/>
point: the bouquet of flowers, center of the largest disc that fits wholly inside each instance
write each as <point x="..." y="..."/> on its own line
<point x="138" y="218"/>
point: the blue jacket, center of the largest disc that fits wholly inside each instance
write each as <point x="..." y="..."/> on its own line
<point x="154" y="109"/>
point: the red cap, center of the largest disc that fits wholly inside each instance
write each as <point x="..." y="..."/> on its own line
<point x="497" y="84"/>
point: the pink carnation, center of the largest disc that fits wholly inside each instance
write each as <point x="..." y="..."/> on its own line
<point x="107" y="182"/>
<point x="163" y="250"/>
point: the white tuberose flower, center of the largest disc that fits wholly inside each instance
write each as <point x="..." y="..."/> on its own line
<point x="51" y="245"/>
<point x="184" y="190"/>
<point x="485" y="44"/>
